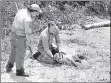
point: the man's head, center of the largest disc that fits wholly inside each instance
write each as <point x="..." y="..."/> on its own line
<point x="53" y="29"/>
<point x="34" y="10"/>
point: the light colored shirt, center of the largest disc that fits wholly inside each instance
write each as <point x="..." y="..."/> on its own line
<point x="22" y="22"/>
<point x="46" y="39"/>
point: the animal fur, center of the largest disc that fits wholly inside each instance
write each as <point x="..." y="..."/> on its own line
<point x="66" y="59"/>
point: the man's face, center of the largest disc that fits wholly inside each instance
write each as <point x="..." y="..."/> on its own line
<point x="34" y="14"/>
<point x="53" y="29"/>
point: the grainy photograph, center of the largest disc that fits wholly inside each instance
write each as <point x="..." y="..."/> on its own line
<point x="55" y="41"/>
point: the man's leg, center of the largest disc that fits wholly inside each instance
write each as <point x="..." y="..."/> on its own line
<point x="36" y="55"/>
<point x="12" y="56"/>
<point x="45" y="58"/>
<point x="21" y="51"/>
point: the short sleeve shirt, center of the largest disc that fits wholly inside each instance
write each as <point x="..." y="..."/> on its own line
<point x="45" y="40"/>
<point x="22" y="22"/>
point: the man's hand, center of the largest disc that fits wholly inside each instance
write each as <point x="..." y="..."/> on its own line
<point x="29" y="43"/>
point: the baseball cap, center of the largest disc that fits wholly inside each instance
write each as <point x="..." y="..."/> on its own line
<point x="36" y="7"/>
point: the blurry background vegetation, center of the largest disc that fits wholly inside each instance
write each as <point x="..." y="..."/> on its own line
<point x="69" y="16"/>
<point x="62" y="12"/>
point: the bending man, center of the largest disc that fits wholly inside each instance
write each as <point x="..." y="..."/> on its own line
<point x="21" y="31"/>
<point x="46" y="49"/>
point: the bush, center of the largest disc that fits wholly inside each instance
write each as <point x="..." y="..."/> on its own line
<point x="62" y="12"/>
<point x="97" y="8"/>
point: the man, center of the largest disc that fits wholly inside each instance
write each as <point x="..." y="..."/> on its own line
<point x="49" y="53"/>
<point x="46" y="50"/>
<point x="21" y="31"/>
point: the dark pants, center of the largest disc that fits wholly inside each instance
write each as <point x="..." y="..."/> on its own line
<point x="38" y="54"/>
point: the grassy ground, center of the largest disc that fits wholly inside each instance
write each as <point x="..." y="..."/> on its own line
<point x="94" y="44"/>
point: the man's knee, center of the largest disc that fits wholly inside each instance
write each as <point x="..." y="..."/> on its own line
<point x="36" y="55"/>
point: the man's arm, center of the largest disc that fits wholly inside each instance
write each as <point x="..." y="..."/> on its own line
<point x="46" y="46"/>
<point x="29" y="42"/>
<point x="28" y="30"/>
<point x="28" y="33"/>
<point x="57" y="38"/>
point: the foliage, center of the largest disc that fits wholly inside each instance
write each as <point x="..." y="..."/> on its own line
<point x="62" y="12"/>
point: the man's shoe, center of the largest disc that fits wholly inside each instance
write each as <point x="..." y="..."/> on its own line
<point x="21" y="73"/>
<point x="9" y="67"/>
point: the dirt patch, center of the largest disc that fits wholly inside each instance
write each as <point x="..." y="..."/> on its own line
<point x="93" y="44"/>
